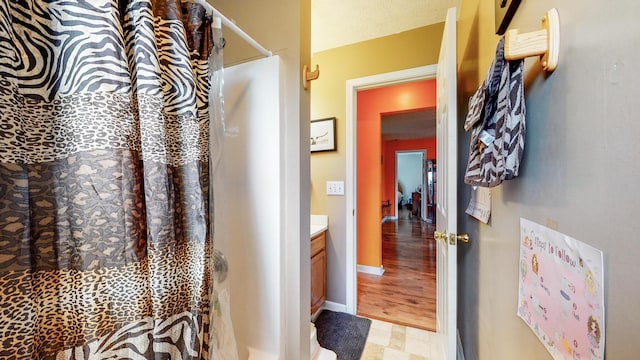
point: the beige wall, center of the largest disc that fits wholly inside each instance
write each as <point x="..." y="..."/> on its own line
<point x="580" y="171"/>
<point x="406" y="50"/>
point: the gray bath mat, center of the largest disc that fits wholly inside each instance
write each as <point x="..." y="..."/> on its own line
<point x="343" y="333"/>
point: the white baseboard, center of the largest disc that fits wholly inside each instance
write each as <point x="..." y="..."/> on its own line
<point x="329" y="305"/>
<point x="333" y="306"/>
<point x="389" y="218"/>
<point x="371" y="269"/>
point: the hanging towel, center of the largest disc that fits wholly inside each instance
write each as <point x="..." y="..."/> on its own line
<point x="496" y="119"/>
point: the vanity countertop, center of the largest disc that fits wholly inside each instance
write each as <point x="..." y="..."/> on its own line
<point x="317" y="229"/>
<point x="319" y="223"/>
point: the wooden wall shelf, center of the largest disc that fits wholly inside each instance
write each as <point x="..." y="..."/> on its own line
<point x="544" y="42"/>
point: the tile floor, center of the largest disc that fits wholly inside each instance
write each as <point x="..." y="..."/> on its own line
<point x="387" y="341"/>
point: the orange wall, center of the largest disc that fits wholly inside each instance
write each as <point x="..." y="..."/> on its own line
<point x="370" y="104"/>
<point x="389" y="163"/>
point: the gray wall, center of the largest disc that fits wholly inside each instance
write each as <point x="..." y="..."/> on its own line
<point x="580" y="171"/>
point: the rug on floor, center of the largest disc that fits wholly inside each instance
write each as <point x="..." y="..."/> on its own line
<point x="343" y="333"/>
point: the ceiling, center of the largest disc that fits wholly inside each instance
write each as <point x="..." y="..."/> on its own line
<point x="337" y="23"/>
<point x="409" y="125"/>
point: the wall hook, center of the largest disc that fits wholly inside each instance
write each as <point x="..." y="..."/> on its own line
<point x="307" y="75"/>
<point x="544" y="42"/>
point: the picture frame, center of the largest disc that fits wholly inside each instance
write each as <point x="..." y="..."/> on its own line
<point x="504" y="12"/>
<point x="323" y="134"/>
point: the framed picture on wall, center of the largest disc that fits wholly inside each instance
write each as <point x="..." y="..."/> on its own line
<point x="323" y="134"/>
<point x="504" y="10"/>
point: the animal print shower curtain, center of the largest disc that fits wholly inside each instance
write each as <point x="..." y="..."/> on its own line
<point x="104" y="184"/>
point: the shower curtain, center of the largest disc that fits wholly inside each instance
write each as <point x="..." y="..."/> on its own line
<point x="105" y="243"/>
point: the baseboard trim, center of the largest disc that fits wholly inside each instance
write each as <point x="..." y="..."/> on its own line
<point x="389" y="218"/>
<point x="329" y="305"/>
<point x="334" y="306"/>
<point x="371" y="269"/>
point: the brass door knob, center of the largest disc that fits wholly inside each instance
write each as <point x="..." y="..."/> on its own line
<point x="442" y="236"/>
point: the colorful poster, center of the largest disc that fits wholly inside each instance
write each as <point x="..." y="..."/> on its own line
<point x="560" y="295"/>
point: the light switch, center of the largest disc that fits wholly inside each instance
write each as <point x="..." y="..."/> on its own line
<point x="335" y="187"/>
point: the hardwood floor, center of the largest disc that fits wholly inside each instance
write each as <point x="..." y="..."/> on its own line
<point x="406" y="293"/>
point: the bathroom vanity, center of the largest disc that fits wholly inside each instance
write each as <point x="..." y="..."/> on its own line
<point x="318" y="261"/>
<point x="319" y="226"/>
<point x="318" y="271"/>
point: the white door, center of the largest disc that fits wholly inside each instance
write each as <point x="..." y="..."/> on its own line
<point x="446" y="221"/>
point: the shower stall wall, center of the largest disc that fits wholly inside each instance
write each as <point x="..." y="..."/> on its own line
<point x="248" y="204"/>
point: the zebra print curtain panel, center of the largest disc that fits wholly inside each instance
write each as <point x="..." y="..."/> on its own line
<point x="104" y="184"/>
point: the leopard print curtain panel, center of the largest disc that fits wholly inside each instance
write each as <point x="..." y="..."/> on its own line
<point x="104" y="185"/>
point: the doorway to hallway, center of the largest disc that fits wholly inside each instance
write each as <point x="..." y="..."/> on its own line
<point x="373" y="183"/>
<point x="406" y="293"/>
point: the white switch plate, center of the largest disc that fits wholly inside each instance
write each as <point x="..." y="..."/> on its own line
<point x="335" y="187"/>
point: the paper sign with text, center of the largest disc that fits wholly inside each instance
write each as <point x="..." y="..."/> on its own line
<point x="561" y="292"/>
<point x="480" y="204"/>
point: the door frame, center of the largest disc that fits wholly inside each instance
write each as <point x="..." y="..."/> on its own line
<point x="353" y="86"/>
<point x="423" y="154"/>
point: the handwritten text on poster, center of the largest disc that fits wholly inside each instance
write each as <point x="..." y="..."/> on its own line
<point x="560" y="293"/>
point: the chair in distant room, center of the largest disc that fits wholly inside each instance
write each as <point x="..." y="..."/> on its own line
<point x="415" y="201"/>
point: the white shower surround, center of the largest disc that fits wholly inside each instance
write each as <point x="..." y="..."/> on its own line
<point x="248" y="203"/>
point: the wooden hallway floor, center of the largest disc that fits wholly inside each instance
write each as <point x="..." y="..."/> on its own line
<point x="406" y="293"/>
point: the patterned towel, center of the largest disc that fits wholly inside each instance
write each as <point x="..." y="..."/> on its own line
<point x="496" y="119"/>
